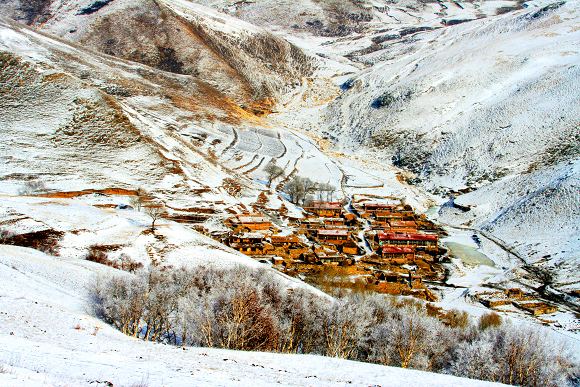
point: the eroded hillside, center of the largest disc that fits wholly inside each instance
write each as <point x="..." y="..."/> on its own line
<point x="247" y="63"/>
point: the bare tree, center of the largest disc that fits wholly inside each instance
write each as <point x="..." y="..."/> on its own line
<point x="294" y="189"/>
<point x="138" y="200"/>
<point x="325" y="191"/>
<point x="155" y="212"/>
<point x="298" y="189"/>
<point x="273" y="171"/>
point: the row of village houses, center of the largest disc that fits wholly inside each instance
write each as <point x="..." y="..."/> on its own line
<point x="394" y="233"/>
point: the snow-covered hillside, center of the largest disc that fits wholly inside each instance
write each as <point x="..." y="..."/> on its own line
<point x="247" y="63"/>
<point x="188" y="101"/>
<point x="50" y="338"/>
<point x="490" y="106"/>
<point x="363" y="18"/>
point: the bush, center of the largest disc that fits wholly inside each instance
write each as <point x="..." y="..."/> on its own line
<point x="456" y="319"/>
<point x="388" y="99"/>
<point x="98" y="254"/>
<point x="489" y="320"/>
<point x="513" y="355"/>
<point x="46" y="241"/>
<point x="33" y="187"/>
<point x="247" y="309"/>
<point x="5" y="237"/>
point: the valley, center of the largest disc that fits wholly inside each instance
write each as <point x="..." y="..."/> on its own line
<point x="418" y="150"/>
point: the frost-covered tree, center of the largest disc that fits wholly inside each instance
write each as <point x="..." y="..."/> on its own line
<point x="155" y="212"/>
<point x="298" y="188"/>
<point x="246" y="309"/>
<point x="273" y="171"/>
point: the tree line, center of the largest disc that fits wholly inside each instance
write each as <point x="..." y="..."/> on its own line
<point x="246" y="309"/>
<point x="300" y="189"/>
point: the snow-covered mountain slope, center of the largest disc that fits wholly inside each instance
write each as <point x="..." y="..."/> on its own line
<point x="339" y="18"/>
<point x="247" y="63"/>
<point x="95" y="220"/>
<point x="48" y="338"/>
<point x="491" y="105"/>
<point x="109" y="123"/>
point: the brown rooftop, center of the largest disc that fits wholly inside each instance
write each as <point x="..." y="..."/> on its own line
<point x="334" y="232"/>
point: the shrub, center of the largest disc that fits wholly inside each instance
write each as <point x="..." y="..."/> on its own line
<point x="489" y="320"/>
<point x="246" y="309"/>
<point x="388" y="99"/>
<point x="347" y="85"/>
<point x="5" y="237"/>
<point x="97" y="254"/>
<point x="456" y="319"/>
<point x="512" y="355"/>
<point x="46" y="241"/>
<point x="33" y="187"/>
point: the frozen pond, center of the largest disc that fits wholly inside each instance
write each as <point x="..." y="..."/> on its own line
<point x="468" y="254"/>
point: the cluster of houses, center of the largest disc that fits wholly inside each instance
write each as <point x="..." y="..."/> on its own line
<point x="384" y="242"/>
<point x="380" y="241"/>
<point x="515" y="297"/>
<point x="405" y="248"/>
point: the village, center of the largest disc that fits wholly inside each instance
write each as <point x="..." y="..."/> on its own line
<point x="363" y="243"/>
<point x="374" y="244"/>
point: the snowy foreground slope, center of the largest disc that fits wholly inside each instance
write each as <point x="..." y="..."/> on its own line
<point x="48" y="336"/>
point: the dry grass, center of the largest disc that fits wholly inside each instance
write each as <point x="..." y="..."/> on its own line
<point x="489" y="320"/>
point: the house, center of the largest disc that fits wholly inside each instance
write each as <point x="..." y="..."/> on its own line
<point x="326" y="256"/>
<point x="312" y="223"/>
<point x="325" y="209"/>
<point x="250" y="222"/>
<point x="516" y="293"/>
<point x="334" y="221"/>
<point x="350" y="248"/>
<point x="536" y="308"/>
<point x="255" y="223"/>
<point x="284" y="240"/>
<point x="248" y="243"/>
<point x="408" y="238"/>
<point x="390" y="216"/>
<point x="289" y="246"/>
<point x="372" y="207"/>
<point x="246" y="238"/>
<point x="333" y="236"/>
<point x="403" y="225"/>
<point x="406" y="253"/>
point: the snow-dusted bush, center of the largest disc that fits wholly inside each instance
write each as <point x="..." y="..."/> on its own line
<point x="489" y="320"/>
<point x="32" y="187"/>
<point x="246" y="309"/>
<point x="515" y="355"/>
<point x="5" y="237"/>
